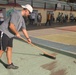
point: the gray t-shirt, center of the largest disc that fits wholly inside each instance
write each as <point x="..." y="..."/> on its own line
<point x="15" y="18"/>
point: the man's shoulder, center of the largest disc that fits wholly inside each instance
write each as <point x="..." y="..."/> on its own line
<point x="15" y="12"/>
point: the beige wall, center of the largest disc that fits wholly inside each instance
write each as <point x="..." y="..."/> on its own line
<point x="43" y="12"/>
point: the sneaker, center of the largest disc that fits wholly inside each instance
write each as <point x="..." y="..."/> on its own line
<point x="11" y="66"/>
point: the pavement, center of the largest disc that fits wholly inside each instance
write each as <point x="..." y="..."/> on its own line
<point x="50" y="39"/>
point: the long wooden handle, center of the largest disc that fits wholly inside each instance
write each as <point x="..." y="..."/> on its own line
<point x="34" y="45"/>
<point x="44" y="52"/>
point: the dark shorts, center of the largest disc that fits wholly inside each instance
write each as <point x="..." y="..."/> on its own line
<point x="5" y="41"/>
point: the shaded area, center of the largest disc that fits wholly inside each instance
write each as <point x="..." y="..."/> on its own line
<point x="59" y="72"/>
<point x="35" y="27"/>
<point x="4" y="64"/>
<point x="74" y="62"/>
<point x="68" y="28"/>
<point x="52" y="66"/>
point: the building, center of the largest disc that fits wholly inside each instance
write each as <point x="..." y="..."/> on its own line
<point x="41" y="6"/>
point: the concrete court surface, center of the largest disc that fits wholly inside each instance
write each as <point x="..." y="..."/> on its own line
<point x="31" y="62"/>
<point x="62" y="38"/>
<point x="57" y="34"/>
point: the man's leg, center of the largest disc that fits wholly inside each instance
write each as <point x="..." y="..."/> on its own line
<point x="9" y="55"/>
<point x="1" y="52"/>
<point x="9" y="59"/>
<point x="46" y="23"/>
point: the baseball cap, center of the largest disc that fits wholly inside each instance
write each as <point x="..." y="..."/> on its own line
<point x="27" y="6"/>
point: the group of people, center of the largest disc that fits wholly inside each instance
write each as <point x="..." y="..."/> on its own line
<point x="38" y="17"/>
<point x="72" y="18"/>
<point x="62" y="18"/>
<point x="33" y="17"/>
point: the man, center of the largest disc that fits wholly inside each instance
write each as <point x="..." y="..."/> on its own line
<point x="10" y="28"/>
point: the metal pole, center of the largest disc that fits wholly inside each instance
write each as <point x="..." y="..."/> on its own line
<point x="32" y="3"/>
<point x="7" y="1"/>
<point x="15" y="2"/>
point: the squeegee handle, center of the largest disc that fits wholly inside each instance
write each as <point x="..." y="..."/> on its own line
<point x="33" y="45"/>
<point x="44" y="52"/>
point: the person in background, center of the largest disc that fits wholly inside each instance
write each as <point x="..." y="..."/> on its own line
<point x="48" y="19"/>
<point x="51" y="19"/>
<point x="32" y="18"/>
<point x="39" y="19"/>
<point x="10" y="28"/>
<point x="1" y="17"/>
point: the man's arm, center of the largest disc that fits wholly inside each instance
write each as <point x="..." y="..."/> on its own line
<point x="26" y="35"/>
<point x="13" y="29"/>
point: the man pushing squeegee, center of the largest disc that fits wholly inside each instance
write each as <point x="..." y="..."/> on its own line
<point x="10" y="28"/>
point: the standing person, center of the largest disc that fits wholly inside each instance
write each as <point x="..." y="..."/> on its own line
<point x="32" y="18"/>
<point x="39" y="18"/>
<point x="1" y="17"/>
<point x="10" y="28"/>
<point x="48" y="19"/>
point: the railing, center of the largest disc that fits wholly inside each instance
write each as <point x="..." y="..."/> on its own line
<point x="49" y="3"/>
<point x="3" y="1"/>
<point x="41" y="3"/>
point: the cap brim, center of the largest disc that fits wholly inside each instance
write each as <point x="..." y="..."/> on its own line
<point x="22" y="6"/>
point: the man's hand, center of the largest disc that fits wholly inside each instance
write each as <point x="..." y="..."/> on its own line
<point x="29" y="40"/>
<point x="18" y="35"/>
<point x="26" y="35"/>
